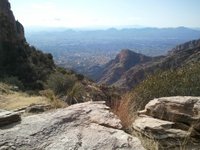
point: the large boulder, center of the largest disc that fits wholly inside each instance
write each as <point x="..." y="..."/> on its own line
<point x="8" y="117"/>
<point x="173" y="121"/>
<point x="37" y="108"/>
<point x="82" y="126"/>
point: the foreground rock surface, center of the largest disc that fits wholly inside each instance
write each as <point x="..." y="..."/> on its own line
<point x="83" y="126"/>
<point x="173" y="121"/>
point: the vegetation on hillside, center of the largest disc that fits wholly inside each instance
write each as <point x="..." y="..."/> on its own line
<point x="28" y="64"/>
<point x="184" y="81"/>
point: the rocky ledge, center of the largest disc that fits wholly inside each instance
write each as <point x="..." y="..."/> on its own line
<point x="8" y="117"/>
<point x="82" y="126"/>
<point x="172" y="121"/>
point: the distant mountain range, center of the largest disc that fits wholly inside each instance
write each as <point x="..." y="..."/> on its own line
<point x="130" y="68"/>
<point x="148" y="41"/>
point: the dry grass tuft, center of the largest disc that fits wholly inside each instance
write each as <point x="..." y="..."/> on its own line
<point x="122" y="109"/>
<point x="54" y="101"/>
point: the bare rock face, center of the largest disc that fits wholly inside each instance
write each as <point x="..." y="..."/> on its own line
<point x="172" y="121"/>
<point x="187" y="45"/>
<point x="10" y="30"/>
<point x="6" y="10"/>
<point x="79" y="127"/>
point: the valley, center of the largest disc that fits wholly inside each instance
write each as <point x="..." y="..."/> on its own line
<point x="85" y="50"/>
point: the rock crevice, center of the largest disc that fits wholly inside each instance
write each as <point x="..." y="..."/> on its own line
<point x="170" y="121"/>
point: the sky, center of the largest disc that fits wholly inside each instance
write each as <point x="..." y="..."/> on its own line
<point x="109" y="13"/>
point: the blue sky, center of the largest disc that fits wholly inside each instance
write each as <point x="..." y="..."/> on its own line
<point x="110" y="13"/>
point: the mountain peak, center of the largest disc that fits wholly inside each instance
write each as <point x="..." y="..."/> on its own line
<point x="128" y="56"/>
<point x="124" y="54"/>
<point x="117" y="67"/>
<point x="126" y="51"/>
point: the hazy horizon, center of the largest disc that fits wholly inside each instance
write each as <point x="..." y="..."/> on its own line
<point x="107" y="13"/>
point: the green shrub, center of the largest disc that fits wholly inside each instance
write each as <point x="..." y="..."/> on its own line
<point x="48" y="94"/>
<point x="14" y="81"/>
<point x="60" y="83"/>
<point x="54" y="101"/>
<point x="75" y="94"/>
<point x="80" y="77"/>
<point x="5" y="88"/>
<point x="27" y="63"/>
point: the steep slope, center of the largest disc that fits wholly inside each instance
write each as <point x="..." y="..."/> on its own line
<point x="125" y="60"/>
<point x="17" y="58"/>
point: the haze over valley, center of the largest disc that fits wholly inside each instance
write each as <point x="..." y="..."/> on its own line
<point x="80" y="50"/>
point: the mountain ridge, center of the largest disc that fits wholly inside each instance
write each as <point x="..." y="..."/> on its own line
<point x="122" y="62"/>
<point x="179" y="56"/>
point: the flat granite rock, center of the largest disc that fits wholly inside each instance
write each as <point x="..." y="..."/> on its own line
<point x="85" y="126"/>
<point x="158" y="129"/>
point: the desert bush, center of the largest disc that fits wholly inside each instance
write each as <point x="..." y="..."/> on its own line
<point x="80" y="77"/>
<point x="14" y="81"/>
<point x="75" y="94"/>
<point x="48" y="94"/>
<point x="184" y="81"/>
<point x="26" y="63"/>
<point x="60" y="83"/>
<point x="54" y="100"/>
<point x="5" y="88"/>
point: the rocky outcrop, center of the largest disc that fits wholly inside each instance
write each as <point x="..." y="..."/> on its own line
<point x="37" y="108"/>
<point x="8" y="117"/>
<point x="82" y="126"/>
<point x="114" y="69"/>
<point x="188" y="45"/>
<point x="172" y="121"/>
<point x="10" y="30"/>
